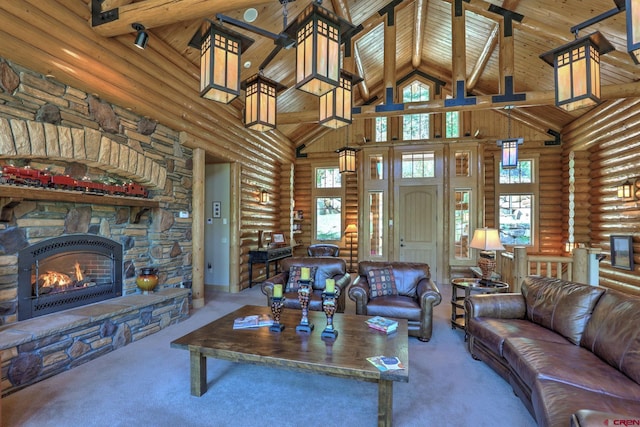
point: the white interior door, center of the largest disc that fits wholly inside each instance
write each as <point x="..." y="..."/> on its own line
<point x="417" y="225"/>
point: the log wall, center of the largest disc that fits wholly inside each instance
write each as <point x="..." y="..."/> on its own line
<point x="53" y="38"/>
<point x="609" y="138"/>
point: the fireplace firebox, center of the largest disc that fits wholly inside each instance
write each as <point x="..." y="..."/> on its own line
<point x="66" y="272"/>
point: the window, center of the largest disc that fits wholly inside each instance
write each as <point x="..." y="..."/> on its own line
<point x="376" y="226"/>
<point x="418" y="165"/>
<point x="328" y="202"/>
<point x="452" y="124"/>
<point x="415" y="126"/>
<point x="516" y="189"/>
<point x="381" y="129"/>
<point x="462" y="218"/>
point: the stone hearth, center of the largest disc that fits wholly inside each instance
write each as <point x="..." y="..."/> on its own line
<point x="38" y="348"/>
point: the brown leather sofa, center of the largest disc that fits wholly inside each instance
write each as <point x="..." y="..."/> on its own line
<point x="416" y="295"/>
<point x="327" y="267"/>
<point x="570" y="351"/>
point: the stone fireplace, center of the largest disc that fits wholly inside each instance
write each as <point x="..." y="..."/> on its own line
<point x="68" y="271"/>
<point x="69" y="259"/>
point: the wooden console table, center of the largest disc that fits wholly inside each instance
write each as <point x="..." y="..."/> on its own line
<point x="266" y="256"/>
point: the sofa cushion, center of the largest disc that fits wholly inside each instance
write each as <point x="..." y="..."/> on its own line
<point x="294" y="275"/>
<point x="564" y="307"/>
<point x="492" y="332"/>
<point x="397" y="306"/>
<point x="555" y="402"/>
<point x="533" y="359"/>
<point x="613" y="332"/>
<point x="381" y="283"/>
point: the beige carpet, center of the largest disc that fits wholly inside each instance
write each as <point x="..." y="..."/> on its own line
<point x="147" y="384"/>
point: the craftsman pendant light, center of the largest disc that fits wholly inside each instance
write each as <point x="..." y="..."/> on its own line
<point x="633" y="29"/>
<point x="220" y="63"/>
<point x="335" y="105"/>
<point x="317" y="34"/>
<point x="577" y="71"/>
<point x="509" y="146"/>
<point x="260" y="103"/>
<point x="347" y="159"/>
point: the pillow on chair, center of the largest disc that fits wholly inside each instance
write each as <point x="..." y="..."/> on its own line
<point x="294" y="276"/>
<point x="381" y="282"/>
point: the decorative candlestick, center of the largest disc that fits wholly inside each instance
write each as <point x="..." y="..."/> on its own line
<point x="329" y="308"/>
<point x="276" y="310"/>
<point x="304" y="295"/>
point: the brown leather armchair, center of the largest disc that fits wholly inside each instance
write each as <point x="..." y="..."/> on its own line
<point x="327" y="268"/>
<point x="416" y="295"/>
<point x="323" y="249"/>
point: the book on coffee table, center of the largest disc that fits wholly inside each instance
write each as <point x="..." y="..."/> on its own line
<point x="382" y="324"/>
<point x="384" y="363"/>
<point x="253" y="321"/>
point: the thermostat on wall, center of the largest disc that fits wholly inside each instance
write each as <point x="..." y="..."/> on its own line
<point x="183" y="214"/>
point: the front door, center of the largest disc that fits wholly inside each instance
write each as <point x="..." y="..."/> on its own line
<point x="417" y="225"/>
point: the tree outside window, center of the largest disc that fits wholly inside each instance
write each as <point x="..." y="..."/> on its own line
<point x="328" y="204"/>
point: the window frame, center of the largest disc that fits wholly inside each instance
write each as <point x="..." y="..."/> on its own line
<point x="400" y="90"/>
<point x="335" y="192"/>
<point x="532" y="189"/>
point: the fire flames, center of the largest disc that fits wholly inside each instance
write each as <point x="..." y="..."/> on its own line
<point x="61" y="281"/>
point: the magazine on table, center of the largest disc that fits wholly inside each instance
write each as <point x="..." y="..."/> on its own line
<point x="385" y="363"/>
<point x="253" y="321"/>
<point x="382" y="324"/>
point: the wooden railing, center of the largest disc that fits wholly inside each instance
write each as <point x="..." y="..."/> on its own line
<point x="515" y="266"/>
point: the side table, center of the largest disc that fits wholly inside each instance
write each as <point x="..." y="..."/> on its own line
<point x="462" y="288"/>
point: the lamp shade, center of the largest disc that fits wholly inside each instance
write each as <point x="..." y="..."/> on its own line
<point x="486" y="239"/>
<point x="317" y="34"/>
<point x="351" y="228"/>
<point x="220" y="51"/>
<point x="577" y="70"/>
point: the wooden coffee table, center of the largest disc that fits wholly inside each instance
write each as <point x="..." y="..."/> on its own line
<point x="345" y="357"/>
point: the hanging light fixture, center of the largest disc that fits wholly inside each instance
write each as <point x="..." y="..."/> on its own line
<point x="260" y="103"/>
<point x="142" y="38"/>
<point x="335" y="105"/>
<point x="220" y="50"/>
<point x="633" y="29"/>
<point x="509" y="146"/>
<point x="317" y="34"/>
<point x="577" y="70"/>
<point x="347" y="159"/>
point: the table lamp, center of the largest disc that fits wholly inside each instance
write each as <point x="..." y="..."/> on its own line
<point x="488" y="241"/>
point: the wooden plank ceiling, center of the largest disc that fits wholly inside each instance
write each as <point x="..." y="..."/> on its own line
<point x="423" y="42"/>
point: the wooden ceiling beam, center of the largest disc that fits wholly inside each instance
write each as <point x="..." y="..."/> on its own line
<point x="418" y="32"/>
<point x="157" y="13"/>
<point x="354" y="65"/>
<point x="484" y="102"/>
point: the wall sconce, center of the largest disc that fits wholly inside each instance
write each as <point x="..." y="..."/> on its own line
<point x="141" y="37"/>
<point x="260" y="103"/>
<point x="577" y="70"/>
<point x="347" y="159"/>
<point x="220" y="51"/>
<point x="628" y="190"/>
<point x="335" y="105"/>
<point x="264" y="197"/>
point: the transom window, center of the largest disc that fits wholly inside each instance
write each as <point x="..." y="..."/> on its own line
<point x="418" y="165"/>
<point x="520" y="175"/>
